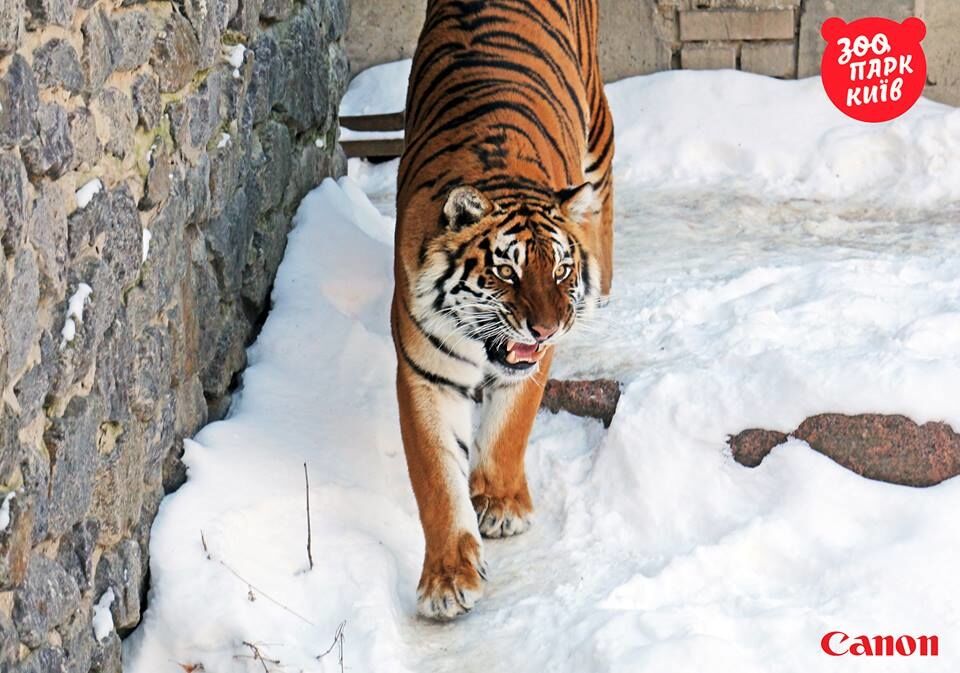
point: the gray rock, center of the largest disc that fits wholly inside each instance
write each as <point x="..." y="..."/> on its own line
<point x="121" y="569"/>
<point x="24" y="332"/>
<point x="265" y="79"/>
<point x="16" y="540"/>
<point x="247" y="18"/>
<point x="46" y="660"/>
<point x="118" y="110"/>
<point x="263" y="259"/>
<point x="14" y="200"/>
<point x="276" y="10"/>
<point x="87" y="148"/>
<point x="47" y="599"/>
<point x="51" y="151"/>
<point x="101" y="50"/>
<point x="59" y="12"/>
<point x="157" y="187"/>
<point x="209" y="20"/>
<point x="106" y="655"/>
<point x="56" y="64"/>
<point x="135" y="30"/>
<point x="176" y="54"/>
<point x="11" y="27"/>
<point x="76" y="550"/>
<point x="9" y="643"/>
<point x="72" y="444"/>
<point x="18" y="102"/>
<point x="278" y="156"/>
<point x="48" y="236"/>
<point x="78" y="643"/>
<point x="109" y="230"/>
<point x="146" y="100"/>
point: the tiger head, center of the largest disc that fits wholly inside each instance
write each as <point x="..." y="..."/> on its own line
<point x="513" y="276"/>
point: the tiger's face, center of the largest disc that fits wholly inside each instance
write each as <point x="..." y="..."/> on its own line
<point x="513" y="277"/>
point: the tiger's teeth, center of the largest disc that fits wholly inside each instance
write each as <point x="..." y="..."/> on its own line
<point x="511" y="357"/>
<point x="510" y="345"/>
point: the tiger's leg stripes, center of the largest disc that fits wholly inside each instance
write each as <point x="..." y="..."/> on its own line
<point x="436" y="425"/>
<point x="498" y="482"/>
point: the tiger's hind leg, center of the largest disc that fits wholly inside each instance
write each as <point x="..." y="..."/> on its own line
<point x="498" y="482"/>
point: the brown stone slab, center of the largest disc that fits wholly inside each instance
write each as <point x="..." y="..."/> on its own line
<point x="889" y="448"/>
<point x="595" y="399"/>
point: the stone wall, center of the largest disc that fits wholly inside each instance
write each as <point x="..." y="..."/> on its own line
<point x="151" y="156"/>
<point x="779" y="38"/>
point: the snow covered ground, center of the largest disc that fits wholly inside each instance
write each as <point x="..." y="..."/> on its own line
<point x="774" y="260"/>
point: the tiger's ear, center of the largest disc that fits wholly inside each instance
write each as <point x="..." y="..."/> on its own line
<point x="466" y="206"/>
<point x="578" y="203"/>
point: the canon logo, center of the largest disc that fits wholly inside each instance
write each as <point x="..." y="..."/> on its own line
<point x="838" y="643"/>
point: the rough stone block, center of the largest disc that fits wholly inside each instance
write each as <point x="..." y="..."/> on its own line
<point x="50" y="152"/>
<point x="136" y="31"/>
<point x="146" y="100"/>
<point x="58" y="12"/>
<point x="101" y="50"/>
<point x="737" y="24"/>
<point x="46" y="600"/>
<point x="11" y="25"/>
<point x="176" y="54"/>
<point x="119" y="117"/>
<point x="19" y="101"/>
<point x="87" y="148"/>
<point x="55" y="64"/>
<point x="708" y="56"/>
<point x="776" y="59"/>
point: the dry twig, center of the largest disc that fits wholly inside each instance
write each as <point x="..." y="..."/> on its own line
<point x="306" y="480"/>
<point x="337" y="642"/>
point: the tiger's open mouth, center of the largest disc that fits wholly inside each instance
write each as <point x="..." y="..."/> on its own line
<point x="515" y="355"/>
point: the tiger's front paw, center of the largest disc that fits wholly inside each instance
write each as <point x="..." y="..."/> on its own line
<point x="502" y="516"/>
<point x="452" y="581"/>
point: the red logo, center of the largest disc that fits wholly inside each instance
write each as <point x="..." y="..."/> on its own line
<point x="873" y="69"/>
<point x="838" y="643"/>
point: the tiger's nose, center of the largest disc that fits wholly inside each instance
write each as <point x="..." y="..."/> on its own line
<point x="543" y="332"/>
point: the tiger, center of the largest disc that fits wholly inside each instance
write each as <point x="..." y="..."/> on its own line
<point x="504" y="240"/>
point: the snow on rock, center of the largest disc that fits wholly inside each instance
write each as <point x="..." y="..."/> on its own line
<point x="147" y="236"/>
<point x="224" y="141"/>
<point x="5" y="510"/>
<point x="87" y="192"/>
<point x="74" y="313"/>
<point x="102" y="617"/>
<point x="754" y="288"/>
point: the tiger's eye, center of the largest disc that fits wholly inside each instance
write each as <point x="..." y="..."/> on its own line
<point x="505" y="271"/>
<point x="562" y="272"/>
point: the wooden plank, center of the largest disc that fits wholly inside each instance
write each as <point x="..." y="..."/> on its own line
<point x="380" y="148"/>
<point x="389" y="121"/>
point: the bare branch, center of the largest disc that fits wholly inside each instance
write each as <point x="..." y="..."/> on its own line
<point x="306" y="480"/>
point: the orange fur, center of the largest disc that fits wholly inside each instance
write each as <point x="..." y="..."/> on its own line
<point x="504" y="236"/>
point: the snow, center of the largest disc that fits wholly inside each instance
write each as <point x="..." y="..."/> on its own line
<point x="5" y="510"/>
<point x="234" y="54"/>
<point x="147" y="236"/>
<point x="102" y="617"/>
<point x="87" y="192"/>
<point x="774" y="260"/>
<point x="74" y="313"/>
<point x="376" y="90"/>
<point x="224" y="141"/>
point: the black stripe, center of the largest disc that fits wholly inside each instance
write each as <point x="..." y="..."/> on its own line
<point x="433" y="339"/>
<point x="430" y="377"/>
